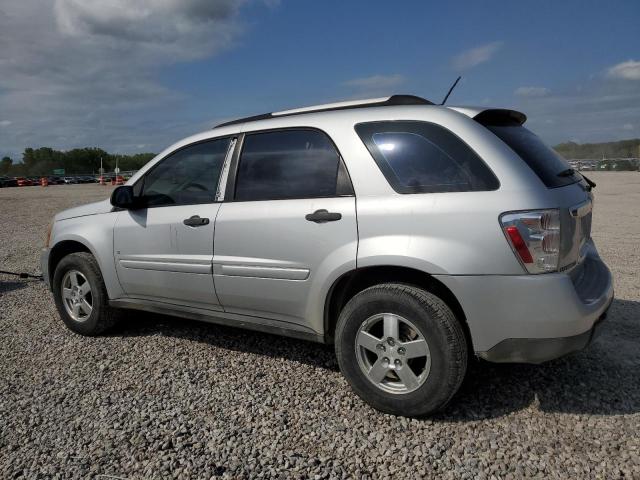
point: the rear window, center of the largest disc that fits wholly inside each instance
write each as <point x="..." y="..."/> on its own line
<point x="422" y="157"/>
<point x="544" y="161"/>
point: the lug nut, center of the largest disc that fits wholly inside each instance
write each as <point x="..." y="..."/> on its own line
<point x="402" y="351"/>
<point x="391" y="341"/>
<point x="398" y="363"/>
<point x="381" y="346"/>
<point x="385" y="362"/>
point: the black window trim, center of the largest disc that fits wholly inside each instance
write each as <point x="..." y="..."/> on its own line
<point x="389" y="175"/>
<point x="173" y="152"/>
<point x="230" y="191"/>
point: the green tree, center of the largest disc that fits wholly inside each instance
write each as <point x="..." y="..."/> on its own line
<point x="5" y="165"/>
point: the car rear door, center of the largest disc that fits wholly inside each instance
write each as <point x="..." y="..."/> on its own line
<point x="287" y="225"/>
<point x="164" y="249"/>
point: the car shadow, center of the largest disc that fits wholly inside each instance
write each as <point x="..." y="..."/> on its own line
<point x="10" y="286"/>
<point x="231" y="338"/>
<point x="601" y="380"/>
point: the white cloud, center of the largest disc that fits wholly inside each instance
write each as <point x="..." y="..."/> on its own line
<point x="629" y="70"/>
<point x="532" y="92"/>
<point x="627" y="126"/>
<point x="376" y="82"/>
<point x="475" y="56"/>
<point x="5" y="123"/>
<point x="161" y="28"/>
<point x="84" y="72"/>
<point x="596" y="112"/>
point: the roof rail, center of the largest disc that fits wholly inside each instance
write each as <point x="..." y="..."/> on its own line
<point x="393" y="100"/>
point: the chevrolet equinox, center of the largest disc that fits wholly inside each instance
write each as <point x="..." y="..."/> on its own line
<point x="411" y="236"/>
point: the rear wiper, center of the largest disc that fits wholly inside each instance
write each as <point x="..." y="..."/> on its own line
<point x="570" y="171"/>
<point x="591" y="183"/>
<point x="566" y="173"/>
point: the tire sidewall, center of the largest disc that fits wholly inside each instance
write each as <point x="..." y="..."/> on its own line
<point x="81" y="263"/>
<point x="433" y="393"/>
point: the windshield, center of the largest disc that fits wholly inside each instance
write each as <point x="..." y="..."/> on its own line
<point x="551" y="168"/>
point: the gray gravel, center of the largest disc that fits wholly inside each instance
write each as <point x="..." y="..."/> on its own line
<point x="171" y="398"/>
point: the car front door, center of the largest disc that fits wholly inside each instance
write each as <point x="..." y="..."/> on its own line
<point x="164" y="248"/>
<point x="287" y="226"/>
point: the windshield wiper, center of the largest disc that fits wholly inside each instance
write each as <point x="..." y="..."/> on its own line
<point x="566" y="173"/>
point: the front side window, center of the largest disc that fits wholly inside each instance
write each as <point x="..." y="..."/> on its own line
<point x="421" y="157"/>
<point x="287" y="164"/>
<point x="188" y="176"/>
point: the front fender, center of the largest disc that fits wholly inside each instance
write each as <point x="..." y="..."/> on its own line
<point x="95" y="232"/>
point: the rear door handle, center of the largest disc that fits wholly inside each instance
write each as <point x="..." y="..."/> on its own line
<point x="323" y="216"/>
<point x="195" y="221"/>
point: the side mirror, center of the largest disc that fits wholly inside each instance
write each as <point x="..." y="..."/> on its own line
<point x="122" y="197"/>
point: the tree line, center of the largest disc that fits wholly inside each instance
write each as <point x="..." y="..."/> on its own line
<point x="43" y="161"/>
<point x="620" y="149"/>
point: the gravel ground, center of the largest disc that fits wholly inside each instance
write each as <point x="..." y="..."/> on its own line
<point x="172" y="398"/>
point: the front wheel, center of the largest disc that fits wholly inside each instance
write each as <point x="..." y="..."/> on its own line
<point x="401" y="349"/>
<point x="81" y="296"/>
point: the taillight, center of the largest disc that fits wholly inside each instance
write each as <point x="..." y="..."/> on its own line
<point x="534" y="236"/>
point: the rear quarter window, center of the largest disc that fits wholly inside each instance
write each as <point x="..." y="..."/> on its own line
<point x="422" y="157"/>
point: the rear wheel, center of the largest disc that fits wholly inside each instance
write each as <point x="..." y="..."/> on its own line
<point x="401" y="349"/>
<point x="81" y="296"/>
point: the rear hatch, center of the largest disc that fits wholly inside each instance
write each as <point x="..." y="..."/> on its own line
<point x="556" y="174"/>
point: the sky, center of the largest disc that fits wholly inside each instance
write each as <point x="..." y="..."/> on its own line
<point x="137" y="76"/>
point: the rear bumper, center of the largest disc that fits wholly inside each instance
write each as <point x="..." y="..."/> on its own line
<point x="534" y="318"/>
<point x="540" y="350"/>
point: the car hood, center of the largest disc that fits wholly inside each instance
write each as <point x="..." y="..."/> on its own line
<point x="103" y="206"/>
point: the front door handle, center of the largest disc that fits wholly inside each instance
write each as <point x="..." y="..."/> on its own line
<point x="195" y="221"/>
<point x="323" y="216"/>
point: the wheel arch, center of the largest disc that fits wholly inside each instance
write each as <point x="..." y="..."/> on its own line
<point x="351" y="283"/>
<point x="61" y="250"/>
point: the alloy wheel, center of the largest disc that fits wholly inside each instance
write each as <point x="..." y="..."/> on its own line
<point x="392" y="353"/>
<point x="76" y="295"/>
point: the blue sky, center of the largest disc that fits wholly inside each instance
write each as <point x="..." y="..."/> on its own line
<point x="136" y="78"/>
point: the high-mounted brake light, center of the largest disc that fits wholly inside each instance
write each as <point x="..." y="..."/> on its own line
<point x="534" y="236"/>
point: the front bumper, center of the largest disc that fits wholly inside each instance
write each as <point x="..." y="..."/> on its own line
<point x="44" y="265"/>
<point x="534" y="318"/>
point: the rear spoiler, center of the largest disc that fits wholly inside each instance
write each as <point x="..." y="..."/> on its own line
<point x="500" y="116"/>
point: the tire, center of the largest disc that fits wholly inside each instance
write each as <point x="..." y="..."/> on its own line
<point x="84" y="267"/>
<point x="421" y="316"/>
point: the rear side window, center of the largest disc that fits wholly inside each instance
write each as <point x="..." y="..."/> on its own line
<point x="551" y="168"/>
<point x="421" y="157"/>
<point x="287" y="164"/>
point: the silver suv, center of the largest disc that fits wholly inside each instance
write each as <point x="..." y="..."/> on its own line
<point x="412" y="236"/>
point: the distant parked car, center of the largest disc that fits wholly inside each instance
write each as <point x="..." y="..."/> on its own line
<point x="8" y="182"/>
<point x="69" y="180"/>
<point x="23" y="182"/>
